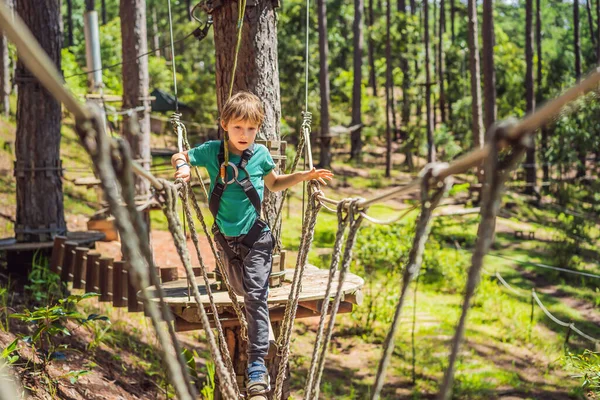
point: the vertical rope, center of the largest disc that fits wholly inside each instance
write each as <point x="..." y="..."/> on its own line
<point x="496" y="173"/>
<point x="429" y="201"/>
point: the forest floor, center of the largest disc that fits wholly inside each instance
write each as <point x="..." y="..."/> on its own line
<point x="500" y="358"/>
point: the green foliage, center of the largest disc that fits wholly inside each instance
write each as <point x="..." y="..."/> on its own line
<point x="570" y="234"/>
<point x="587" y="368"/>
<point x="44" y="286"/>
<point x="208" y="389"/>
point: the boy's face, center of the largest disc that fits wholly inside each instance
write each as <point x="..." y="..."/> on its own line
<point x="242" y="134"/>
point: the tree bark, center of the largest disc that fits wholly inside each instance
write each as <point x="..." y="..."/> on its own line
<point x="5" y="82"/>
<point x="590" y="21"/>
<point x="388" y="85"/>
<point x="430" y="140"/>
<point x="69" y="23"/>
<point x="530" y="166"/>
<point x="188" y="8"/>
<point x="40" y="212"/>
<point x="104" y="17"/>
<point x="598" y="31"/>
<point x="477" y="122"/>
<point x="489" y="71"/>
<point x="370" y="50"/>
<point x="356" y="138"/>
<point x="90" y="5"/>
<point x="539" y="96"/>
<point x="155" y="35"/>
<point x="136" y="88"/>
<point x="325" y="159"/>
<point x="577" y="49"/>
<point x="442" y="61"/>
<point x="452" y="15"/>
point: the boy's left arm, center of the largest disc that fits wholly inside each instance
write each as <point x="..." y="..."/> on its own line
<point x="276" y="183"/>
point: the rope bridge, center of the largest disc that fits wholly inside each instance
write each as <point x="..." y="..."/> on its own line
<point x="505" y="145"/>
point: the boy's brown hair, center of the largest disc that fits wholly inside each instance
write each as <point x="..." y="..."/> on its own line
<point x="243" y="106"/>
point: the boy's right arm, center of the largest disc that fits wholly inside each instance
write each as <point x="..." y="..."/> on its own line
<point x="180" y="161"/>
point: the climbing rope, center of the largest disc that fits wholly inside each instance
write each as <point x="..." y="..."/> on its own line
<point x="169" y="200"/>
<point x="354" y="219"/>
<point x="496" y="172"/>
<point x="287" y="324"/>
<point x="429" y="201"/>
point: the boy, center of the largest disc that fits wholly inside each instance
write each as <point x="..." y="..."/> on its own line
<point x="241" y="235"/>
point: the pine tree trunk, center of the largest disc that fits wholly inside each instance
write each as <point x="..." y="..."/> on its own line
<point x="69" y="23"/>
<point x="40" y="212"/>
<point x="452" y="14"/>
<point x="155" y="35"/>
<point x="5" y="83"/>
<point x="188" y="7"/>
<point x="430" y="142"/>
<point x="370" y="50"/>
<point x="598" y="31"/>
<point x="436" y="48"/>
<point x="136" y="89"/>
<point x="530" y="167"/>
<point x="539" y="97"/>
<point x="356" y="138"/>
<point x="442" y="61"/>
<point x="590" y="21"/>
<point x="325" y="159"/>
<point x="388" y="88"/>
<point x="489" y="72"/>
<point x="477" y="122"/>
<point x="104" y="17"/>
<point x="90" y="5"/>
<point x="577" y="49"/>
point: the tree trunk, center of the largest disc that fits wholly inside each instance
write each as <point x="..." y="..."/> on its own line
<point x="442" y="61"/>
<point x="590" y="20"/>
<point x="539" y="97"/>
<point x="489" y="72"/>
<point x="598" y="31"/>
<point x="40" y="212"/>
<point x="325" y="160"/>
<point x="104" y="17"/>
<point x="69" y="23"/>
<point x="370" y="50"/>
<point x="90" y="5"/>
<point x="5" y="83"/>
<point x="430" y="142"/>
<point x="356" y="138"/>
<point x="577" y="49"/>
<point x="530" y="167"/>
<point x="388" y="84"/>
<point x="436" y="48"/>
<point x="452" y="14"/>
<point x="188" y="8"/>
<point x="477" y="123"/>
<point x="155" y="35"/>
<point x="402" y="5"/>
<point x="135" y="88"/>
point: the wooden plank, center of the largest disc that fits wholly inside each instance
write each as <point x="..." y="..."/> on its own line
<point x="313" y="288"/>
<point x="58" y="252"/>
<point x="92" y="278"/>
<point x="119" y="284"/>
<point x="80" y="267"/>
<point x="169" y="274"/>
<point x="134" y="304"/>
<point x="66" y="274"/>
<point x="106" y="282"/>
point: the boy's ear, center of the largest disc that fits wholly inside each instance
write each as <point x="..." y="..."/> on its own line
<point x="223" y="125"/>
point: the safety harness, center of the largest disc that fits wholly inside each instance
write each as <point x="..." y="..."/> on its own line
<point x="251" y="192"/>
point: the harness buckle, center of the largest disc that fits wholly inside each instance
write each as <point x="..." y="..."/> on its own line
<point x="236" y="172"/>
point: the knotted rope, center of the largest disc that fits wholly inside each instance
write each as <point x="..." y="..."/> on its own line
<point x="354" y="219"/>
<point x="429" y="201"/>
<point x="169" y="202"/>
<point x="308" y="233"/>
<point x="496" y="173"/>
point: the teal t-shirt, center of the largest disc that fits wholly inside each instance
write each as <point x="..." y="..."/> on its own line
<point x="236" y="213"/>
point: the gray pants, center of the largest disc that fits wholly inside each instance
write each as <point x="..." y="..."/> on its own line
<point x="249" y="277"/>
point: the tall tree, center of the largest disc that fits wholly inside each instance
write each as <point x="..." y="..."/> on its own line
<point x="69" y="23"/>
<point x="388" y="85"/>
<point x="489" y="71"/>
<point x="598" y="31"/>
<point x="325" y="160"/>
<point x="406" y="84"/>
<point x="357" y="29"/>
<point x="5" y="83"/>
<point x="155" y="35"/>
<point x="90" y="5"/>
<point x="530" y="163"/>
<point x="371" y="50"/>
<point x="430" y="142"/>
<point x="104" y="17"/>
<point x="442" y="61"/>
<point x="539" y="96"/>
<point x="452" y="15"/>
<point x="136" y="86"/>
<point x="40" y="211"/>
<point x="588" y="8"/>
<point x="577" y="49"/>
<point x="473" y="29"/>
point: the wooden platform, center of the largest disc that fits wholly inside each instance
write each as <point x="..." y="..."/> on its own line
<point x="83" y="239"/>
<point x="314" y="284"/>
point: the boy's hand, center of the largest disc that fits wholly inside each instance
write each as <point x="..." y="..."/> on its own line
<point x="321" y="175"/>
<point x="183" y="172"/>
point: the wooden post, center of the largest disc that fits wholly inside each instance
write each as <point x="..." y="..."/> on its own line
<point x="106" y="283"/>
<point x="133" y="303"/>
<point x="169" y="274"/>
<point x="80" y="267"/>
<point x="119" y="284"/>
<point x="92" y="275"/>
<point x="66" y="274"/>
<point x="58" y="252"/>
